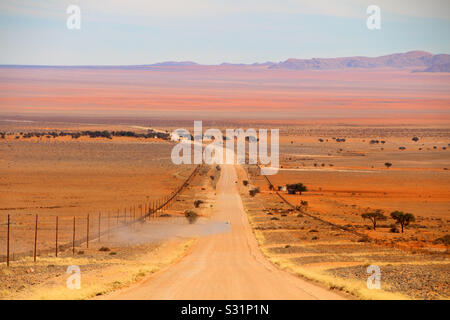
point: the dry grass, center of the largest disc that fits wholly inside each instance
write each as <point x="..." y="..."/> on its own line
<point x="337" y="259"/>
<point x="115" y="273"/>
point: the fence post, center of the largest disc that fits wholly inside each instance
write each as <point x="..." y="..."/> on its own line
<point x="99" y="225"/>
<point x="87" y="231"/>
<point x="109" y="224"/>
<point x="35" y="238"/>
<point x="73" y="237"/>
<point x="56" y="237"/>
<point x="7" y="242"/>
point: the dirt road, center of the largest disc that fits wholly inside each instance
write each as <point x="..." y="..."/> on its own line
<point x="227" y="265"/>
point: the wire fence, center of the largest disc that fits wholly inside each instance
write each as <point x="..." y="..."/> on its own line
<point x="34" y="235"/>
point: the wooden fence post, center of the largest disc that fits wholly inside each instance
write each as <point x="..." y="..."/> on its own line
<point x="87" y="231"/>
<point x="109" y="224"/>
<point x="56" y="237"/>
<point x="99" y="225"/>
<point x="35" y="238"/>
<point x="73" y="237"/>
<point x="7" y="242"/>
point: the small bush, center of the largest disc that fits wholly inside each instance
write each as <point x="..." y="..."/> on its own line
<point x="364" y="239"/>
<point x="104" y="249"/>
<point x="192" y="216"/>
<point x="444" y="240"/>
<point x="245" y="182"/>
<point x="197" y="203"/>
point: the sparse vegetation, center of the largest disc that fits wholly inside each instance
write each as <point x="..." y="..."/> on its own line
<point x="374" y="217"/>
<point x="97" y="134"/>
<point x="364" y="239"/>
<point x="197" y="203"/>
<point x="444" y="240"/>
<point x="297" y="187"/>
<point x="402" y="218"/>
<point x="191" y="216"/>
<point x="254" y="191"/>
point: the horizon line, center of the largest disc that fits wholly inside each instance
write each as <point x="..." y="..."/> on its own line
<point x="187" y="63"/>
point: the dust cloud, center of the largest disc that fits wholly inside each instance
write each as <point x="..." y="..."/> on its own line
<point x="166" y="228"/>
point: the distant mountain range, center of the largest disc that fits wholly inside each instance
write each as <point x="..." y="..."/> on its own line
<point x="418" y="61"/>
<point x="424" y="61"/>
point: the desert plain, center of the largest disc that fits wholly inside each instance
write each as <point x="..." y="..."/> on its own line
<point x="359" y="141"/>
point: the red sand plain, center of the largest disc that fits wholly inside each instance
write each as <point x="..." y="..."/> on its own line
<point x="228" y="92"/>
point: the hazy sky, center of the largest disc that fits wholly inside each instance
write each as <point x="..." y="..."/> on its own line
<point x="213" y="31"/>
